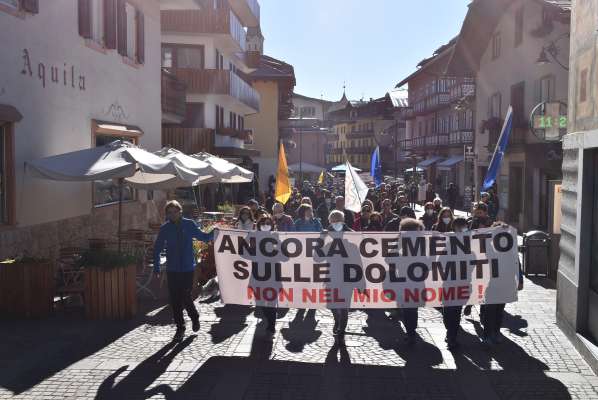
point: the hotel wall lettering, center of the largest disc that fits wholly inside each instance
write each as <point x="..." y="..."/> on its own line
<point x="65" y="75"/>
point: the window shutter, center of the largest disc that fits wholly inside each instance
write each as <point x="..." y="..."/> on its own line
<point x="85" y="18"/>
<point x="110" y="24"/>
<point x="31" y="6"/>
<point x="140" y="37"/>
<point x="121" y="12"/>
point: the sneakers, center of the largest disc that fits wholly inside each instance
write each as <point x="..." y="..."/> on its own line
<point x="195" y="324"/>
<point x="179" y="335"/>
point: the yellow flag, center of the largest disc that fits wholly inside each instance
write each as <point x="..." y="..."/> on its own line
<point x="321" y="178"/>
<point x="283" y="187"/>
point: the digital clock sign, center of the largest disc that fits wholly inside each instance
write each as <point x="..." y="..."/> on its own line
<point x="549" y="121"/>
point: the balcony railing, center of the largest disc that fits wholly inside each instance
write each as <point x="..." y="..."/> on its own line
<point x="173" y="97"/>
<point x="206" y="21"/>
<point x="188" y="140"/>
<point x="463" y="87"/>
<point x="359" y="150"/>
<point x="216" y="81"/>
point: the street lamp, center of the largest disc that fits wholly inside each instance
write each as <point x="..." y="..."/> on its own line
<point x="553" y="50"/>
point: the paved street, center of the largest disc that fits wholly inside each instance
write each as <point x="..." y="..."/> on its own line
<point x="230" y="358"/>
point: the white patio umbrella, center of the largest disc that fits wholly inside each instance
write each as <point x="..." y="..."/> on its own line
<point x="227" y="171"/>
<point x="116" y="160"/>
<point x="150" y="181"/>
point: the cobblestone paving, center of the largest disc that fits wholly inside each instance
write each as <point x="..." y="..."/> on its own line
<point x="231" y="357"/>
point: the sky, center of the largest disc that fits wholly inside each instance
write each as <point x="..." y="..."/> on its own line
<point x="369" y="44"/>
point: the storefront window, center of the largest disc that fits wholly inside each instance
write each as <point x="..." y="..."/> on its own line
<point x="107" y="191"/>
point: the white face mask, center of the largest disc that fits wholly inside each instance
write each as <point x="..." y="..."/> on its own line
<point x="266" y="228"/>
<point x="464" y="229"/>
<point x="337" y="226"/>
<point x="446" y="221"/>
<point x="429" y="212"/>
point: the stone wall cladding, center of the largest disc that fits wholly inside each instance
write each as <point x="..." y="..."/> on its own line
<point x="45" y="240"/>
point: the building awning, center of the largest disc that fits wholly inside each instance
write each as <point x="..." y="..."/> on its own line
<point x="9" y="114"/>
<point x="429" y="162"/>
<point x="451" y="162"/>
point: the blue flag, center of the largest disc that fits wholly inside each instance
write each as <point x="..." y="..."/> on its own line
<point x="499" y="151"/>
<point x="376" y="167"/>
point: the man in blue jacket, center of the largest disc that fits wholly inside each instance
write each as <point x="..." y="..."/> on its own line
<point x="177" y="235"/>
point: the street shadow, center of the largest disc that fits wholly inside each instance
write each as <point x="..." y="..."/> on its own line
<point x="301" y="330"/>
<point x="386" y="331"/>
<point x="514" y="323"/>
<point x="248" y="378"/>
<point x="542" y="281"/>
<point x="135" y="384"/>
<point x="232" y="321"/>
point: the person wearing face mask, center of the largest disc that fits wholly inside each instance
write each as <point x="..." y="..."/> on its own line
<point x="253" y="206"/>
<point x="324" y="208"/>
<point x="284" y="222"/>
<point x="245" y="221"/>
<point x="445" y="221"/>
<point x="430" y="216"/>
<point x="306" y="221"/>
<point x="267" y="224"/>
<point x="177" y="236"/>
<point x="341" y="315"/>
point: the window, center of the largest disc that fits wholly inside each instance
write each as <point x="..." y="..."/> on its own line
<point x="583" y="86"/>
<point x="194" y="116"/>
<point x="190" y="57"/>
<point x="107" y="191"/>
<point x="546" y="87"/>
<point x="219" y="117"/>
<point x="494" y="106"/>
<point x="219" y="60"/>
<point x="241" y="123"/>
<point x="131" y="31"/>
<point x="496" y="42"/>
<point x="232" y="120"/>
<point x="519" y="26"/>
<point x="168" y="57"/>
<point x="308" y="112"/>
<point x="97" y="21"/>
<point x="518" y="104"/>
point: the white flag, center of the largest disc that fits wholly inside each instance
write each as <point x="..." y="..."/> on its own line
<point x="355" y="189"/>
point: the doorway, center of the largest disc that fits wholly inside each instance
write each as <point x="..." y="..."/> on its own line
<point x="593" y="289"/>
<point x="516" y="184"/>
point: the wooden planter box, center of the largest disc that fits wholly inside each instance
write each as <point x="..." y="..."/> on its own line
<point x="110" y="293"/>
<point x="26" y="289"/>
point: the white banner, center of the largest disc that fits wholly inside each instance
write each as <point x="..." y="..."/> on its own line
<point x="367" y="270"/>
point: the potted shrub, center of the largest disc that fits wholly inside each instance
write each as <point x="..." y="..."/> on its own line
<point x="26" y="287"/>
<point x="110" y="285"/>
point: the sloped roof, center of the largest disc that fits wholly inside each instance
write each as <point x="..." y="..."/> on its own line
<point x="271" y="68"/>
<point x="398" y="98"/>
<point x="437" y="61"/>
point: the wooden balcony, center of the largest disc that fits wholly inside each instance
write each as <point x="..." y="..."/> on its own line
<point x="174" y="94"/>
<point x="247" y="10"/>
<point x="221" y="21"/>
<point x="222" y="82"/>
<point x="188" y="140"/>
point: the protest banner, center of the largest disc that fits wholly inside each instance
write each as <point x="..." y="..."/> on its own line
<point x="367" y="270"/>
